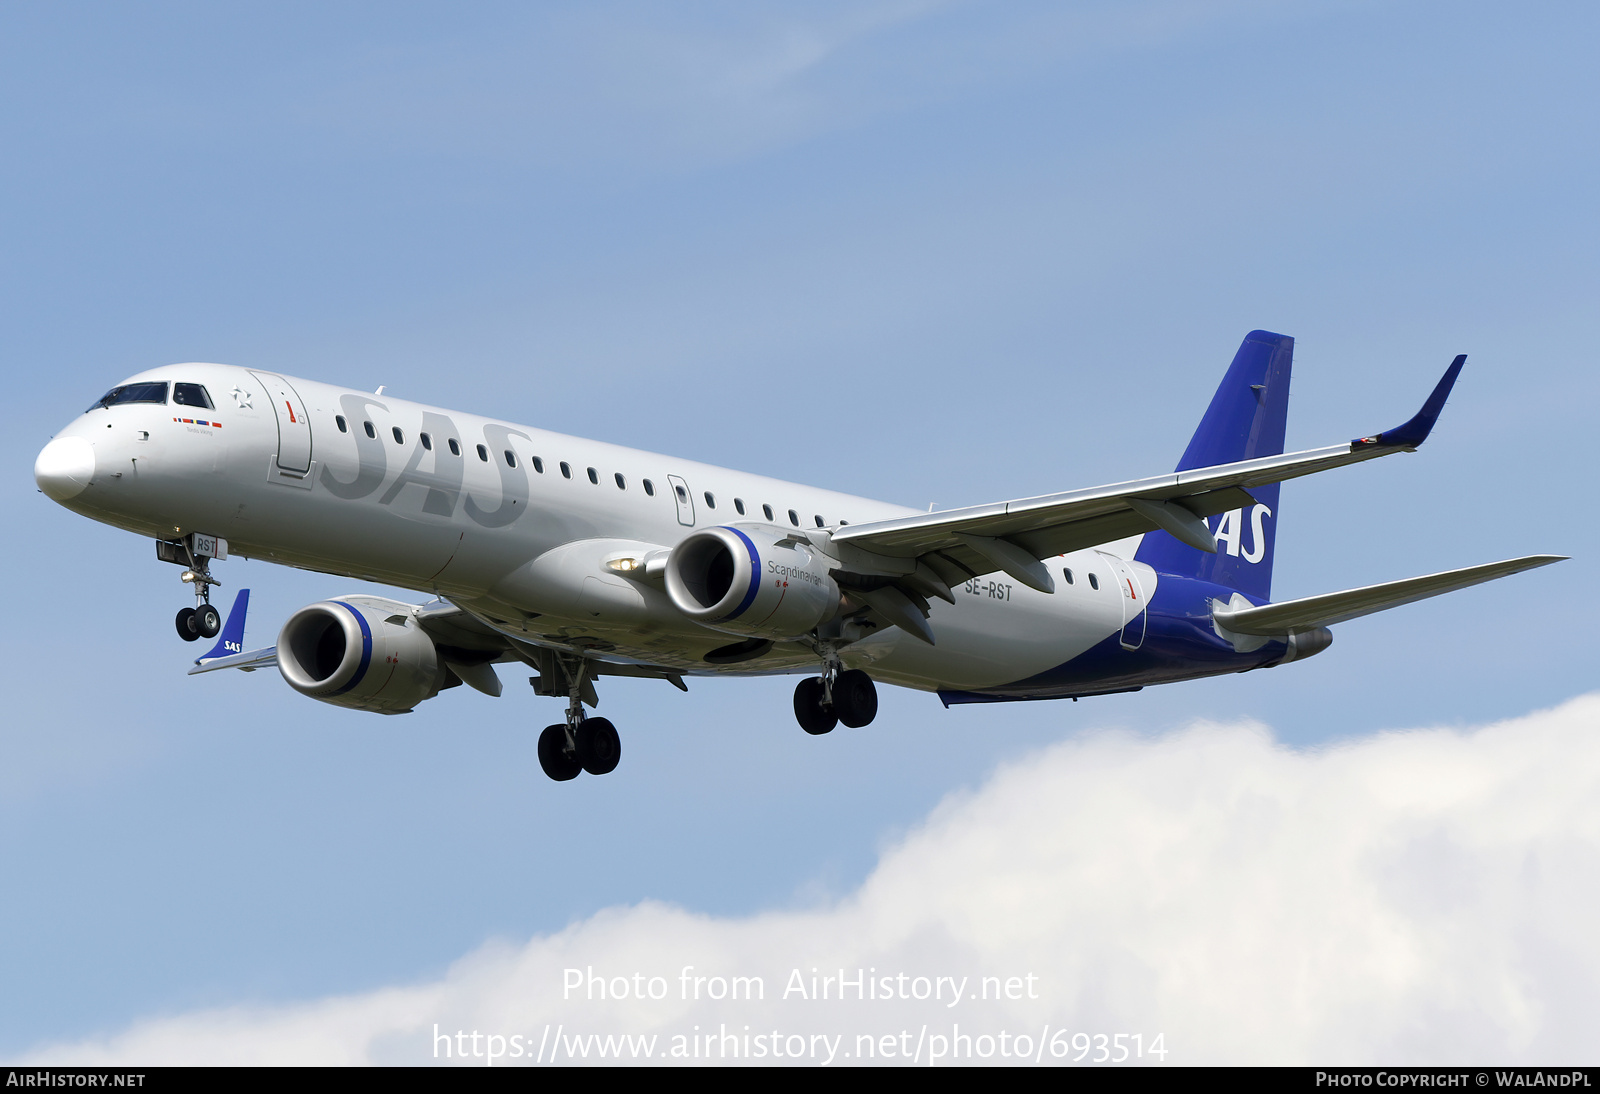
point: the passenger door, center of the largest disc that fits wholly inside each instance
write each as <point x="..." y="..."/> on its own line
<point x="294" y="428"/>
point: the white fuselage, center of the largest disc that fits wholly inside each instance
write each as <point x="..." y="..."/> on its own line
<point x="285" y="469"/>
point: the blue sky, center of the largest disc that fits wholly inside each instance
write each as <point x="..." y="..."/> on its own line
<point x="934" y="253"/>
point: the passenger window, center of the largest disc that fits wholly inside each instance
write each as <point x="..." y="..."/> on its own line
<point x="134" y="393"/>
<point x="1068" y="575"/>
<point x="683" y="495"/>
<point x="191" y="395"/>
<point x="711" y="501"/>
<point x="1094" y="582"/>
<point x="538" y="465"/>
<point x="767" y="509"/>
<point x="649" y="489"/>
<point x="794" y="518"/>
<point x="427" y="441"/>
<point x="399" y="437"/>
<point x="738" y="504"/>
<point x="622" y="483"/>
<point x="455" y="449"/>
<point x="483" y="454"/>
<point x="566" y="470"/>
<point x="594" y="476"/>
<point x="373" y="433"/>
<point x="819" y="520"/>
<point x="511" y="458"/>
<point x="343" y="428"/>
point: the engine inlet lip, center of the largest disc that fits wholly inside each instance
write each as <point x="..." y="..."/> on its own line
<point x="699" y="548"/>
<point x="352" y="667"/>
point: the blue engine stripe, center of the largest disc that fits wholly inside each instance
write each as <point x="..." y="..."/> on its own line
<point x="755" y="577"/>
<point x="366" y="647"/>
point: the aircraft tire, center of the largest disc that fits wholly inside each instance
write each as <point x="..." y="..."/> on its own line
<point x="855" y="698"/>
<point x="207" y="620"/>
<point x="188" y="629"/>
<point x="553" y="755"/>
<point x="599" y="746"/>
<point x="813" y="717"/>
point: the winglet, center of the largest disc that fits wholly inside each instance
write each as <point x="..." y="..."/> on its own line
<point x="1414" y="432"/>
<point x="231" y="640"/>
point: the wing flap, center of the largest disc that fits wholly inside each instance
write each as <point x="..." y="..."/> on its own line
<point x="1277" y="620"/>
<point x="451" y="626"/>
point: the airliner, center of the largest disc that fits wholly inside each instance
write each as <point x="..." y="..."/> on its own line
<point x="583" y="560"/>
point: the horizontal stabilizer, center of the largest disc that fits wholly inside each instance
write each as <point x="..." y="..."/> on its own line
<point x="1276" y="620"/>
<point x="249" y="661"/>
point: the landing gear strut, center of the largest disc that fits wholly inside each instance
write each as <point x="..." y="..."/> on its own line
<point x="580" y="743"/>
<point x="838" y="695"/>
<point x="202" y="620"/>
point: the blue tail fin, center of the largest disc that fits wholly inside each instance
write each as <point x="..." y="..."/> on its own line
<point x="231" y="640"/>
<point x="1245" y="420"/>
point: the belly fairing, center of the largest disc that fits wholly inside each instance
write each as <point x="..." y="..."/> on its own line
<point x="1180" y="643"/>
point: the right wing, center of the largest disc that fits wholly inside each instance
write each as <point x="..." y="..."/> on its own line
<point x="1013" y="536"/>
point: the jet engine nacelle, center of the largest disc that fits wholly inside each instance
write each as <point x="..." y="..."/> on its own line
<point x="363" y="652"/>
<point x="752" y="579"/>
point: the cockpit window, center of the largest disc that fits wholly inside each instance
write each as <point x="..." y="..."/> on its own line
<point x="134" y="393"/>
<point x="192" y="395"/>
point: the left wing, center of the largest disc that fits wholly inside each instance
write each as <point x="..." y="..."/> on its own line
<point x="467" y="645"/>
<point x="249" y="662"/>
<point x="229" y="653"/>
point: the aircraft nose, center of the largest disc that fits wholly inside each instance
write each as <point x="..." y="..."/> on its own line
<point x="64" y="468"/>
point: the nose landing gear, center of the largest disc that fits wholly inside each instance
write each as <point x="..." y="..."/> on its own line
<point x="202" y="622"/>
<point x="196" y="552"/>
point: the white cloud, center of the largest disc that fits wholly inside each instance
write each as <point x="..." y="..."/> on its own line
<point x="1414" y="897"/>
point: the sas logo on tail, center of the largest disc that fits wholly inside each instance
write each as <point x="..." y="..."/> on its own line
<point x="1230" y="531"/>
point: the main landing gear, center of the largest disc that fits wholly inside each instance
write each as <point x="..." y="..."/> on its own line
<point x="565" y="751"/>
<point x="839" y="695"/>
<point x="202" y="620"/>
<point x="580" y="743"/>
